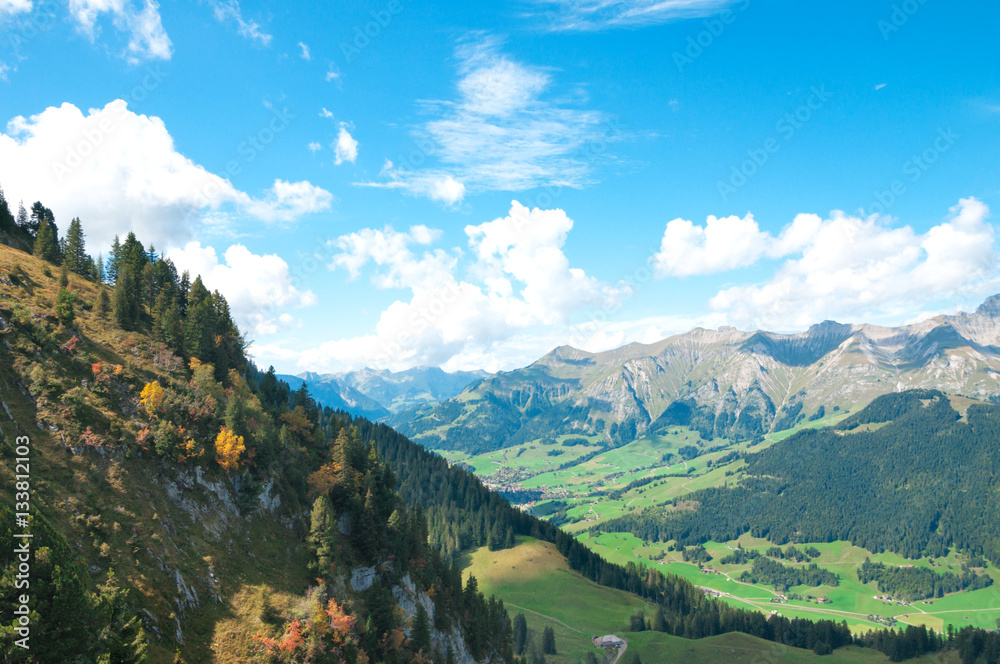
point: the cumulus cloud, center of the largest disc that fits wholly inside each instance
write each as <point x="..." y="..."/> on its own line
<point x="589" y="15"/>
<point x="119" y="171"/>
<point x="502" y="132"/>
<point x="147" y="40"/>
<point x="229" y="11"/>
<point x="721" y="244"/>
<point x="11" y="7"/>
<point x="314" y="147"/>
<point x="345" y="147"/>
<point x="463" y="306"/>
<point x="304" y="52"/>
<point x="257" y="287"/>
<point x="855" y="268"/>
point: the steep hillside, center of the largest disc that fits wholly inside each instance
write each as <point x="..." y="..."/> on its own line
<point x="724" y="383"/>
<point x="187" y="514"/>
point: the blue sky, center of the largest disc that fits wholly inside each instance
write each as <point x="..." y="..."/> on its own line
<point x="472" y="184"/>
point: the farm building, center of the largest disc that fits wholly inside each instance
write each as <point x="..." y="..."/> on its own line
<point x="610" y="641"/>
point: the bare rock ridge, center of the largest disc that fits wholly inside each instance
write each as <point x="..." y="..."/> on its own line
<point x="732" y="383"/>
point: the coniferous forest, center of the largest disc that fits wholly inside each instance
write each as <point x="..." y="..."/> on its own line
<point x="375" y="499"/>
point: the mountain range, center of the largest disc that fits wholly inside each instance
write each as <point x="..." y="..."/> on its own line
<point x="724" y="382"/>
<point x="379" y="393"/>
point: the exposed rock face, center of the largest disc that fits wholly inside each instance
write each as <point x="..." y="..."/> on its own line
<point x="743" y="378"/>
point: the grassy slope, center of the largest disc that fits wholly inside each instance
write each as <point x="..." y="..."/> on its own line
<point x="534" y="579"/>
<point x="121" y="503"/>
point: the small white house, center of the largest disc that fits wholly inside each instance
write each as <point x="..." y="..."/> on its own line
<point x="611" y="641"/>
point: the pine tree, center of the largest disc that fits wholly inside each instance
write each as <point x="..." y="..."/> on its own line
<point x="549" y="641"/>
<point x="64" y="306"/>
<point x="113" y="260"/>
<point x="46" y="244"/>
<point x="99" y="269"/>
<point x="7" y="221"/>
<point x="520" y="626"/>
<point x="22" y="217"/>
<point x="75" y="257"/>
<point x="420" y="633"/>
<point x="322" y="533"/>
<point x="128" y="305"/>
<point x="103" y="303"/>
<point x="659" y="620"/>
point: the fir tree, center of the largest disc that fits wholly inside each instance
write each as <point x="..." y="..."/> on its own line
<point x="75" y="256"/>
<point x="520" y="626"/>
<point x="548" y="641"/>
<point x="103" y="303"/>
<point x="7" y="221"/>
<point x="420" y="633"/>
<point x="46" y="244"/>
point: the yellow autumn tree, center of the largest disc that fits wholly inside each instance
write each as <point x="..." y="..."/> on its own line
<point x="228" y="448"/>
<point x="151" y="398"/>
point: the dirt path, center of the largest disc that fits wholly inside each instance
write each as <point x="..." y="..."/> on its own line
<point x="621" y="651"/>
<point x="521" y="608"/>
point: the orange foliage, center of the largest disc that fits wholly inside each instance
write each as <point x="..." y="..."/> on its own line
<point x="228" y="448"/>
<point x="152" y="397"/>
<point x="325" y="479"/>
<point x="298" y="423"/>
<point x="339" y="621"/>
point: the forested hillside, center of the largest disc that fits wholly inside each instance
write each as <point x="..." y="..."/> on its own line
<point x="190" y="508"/>
<point x="908" y="474"/>
<point x="186" y="507"/>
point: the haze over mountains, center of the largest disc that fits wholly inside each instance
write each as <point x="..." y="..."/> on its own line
<point x="722" y="382"/>
<point x="377" y="394"/>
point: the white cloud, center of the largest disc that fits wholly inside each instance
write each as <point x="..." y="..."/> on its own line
<point x="501" y="133"/>
<point x="256" y="287"/>
<point x="326" y="114"/>
<point x="346" y="147"/>
<point x="880" y="86"/>
<point x="11" y="7"/>
<point x="315" y="147"/>
<point x="586" y="15"/>
<point x="229" y="10"/>
<point x="147" y="40"/>
<point x="332" y="73"/>
<point x="516" y="279"/>
<point x="287" y="201"/>
<point x="859" y="269"/>
<point x="119" y="171"/>
<point x="722" y="244"/>
<point x="305" y="54"/>
<point x="436" y="185"/>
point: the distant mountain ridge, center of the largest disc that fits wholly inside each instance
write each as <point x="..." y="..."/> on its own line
<point x="722" y="382"/>
<point x="377" y="394"/>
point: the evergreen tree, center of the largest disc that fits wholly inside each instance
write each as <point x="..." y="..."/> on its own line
<point x="7" y="222"/>
<point x="323" y="526"/>
<point x="549" y="641"/>
<point x="591" y="658"/>
<point x="46" y="243"/>
<point x="40" y="214"/>
<point x="75" y="256"/>
<point x="420" y="633"/>
<point x="659" y="623"/>
<point x="103" y="302"/>
<point x="520" y="626"/>
<point x="64" y="306"/>
<point x="128" y="303"/>
<point x="636" y="659"/>
<point x="23" y="221"/>
<point x="112" y="263"/>
<point x="99" y="269"/>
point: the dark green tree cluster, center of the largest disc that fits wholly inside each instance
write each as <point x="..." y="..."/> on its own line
<point x="68" y="622"/>
<point x="783" y="577"/>
<point x="913" y="583"/>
